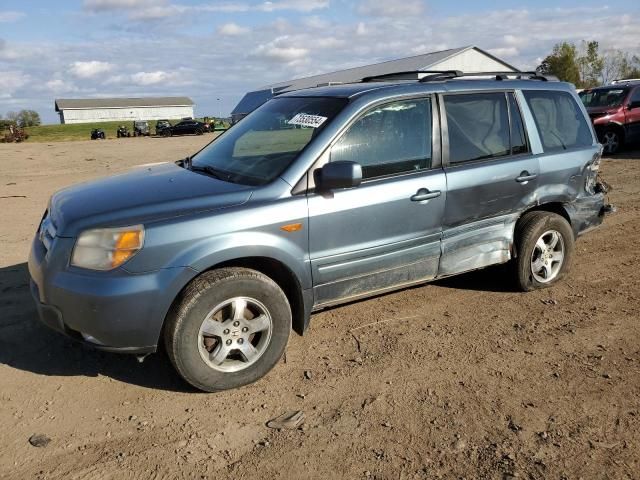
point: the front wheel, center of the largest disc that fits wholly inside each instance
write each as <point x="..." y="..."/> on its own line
<point x="229" y="328"/>
<point x="545" y="247"/>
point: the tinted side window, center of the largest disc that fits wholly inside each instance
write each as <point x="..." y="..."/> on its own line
<point x="518" y="137"/>
<point x="478" y="126"/>
<point x="389" y="139"/>
<point x="635" y="96"/>
<point x="560" y="122"/>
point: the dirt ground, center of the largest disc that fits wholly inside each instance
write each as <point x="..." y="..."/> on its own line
<point x="463" y="378"/>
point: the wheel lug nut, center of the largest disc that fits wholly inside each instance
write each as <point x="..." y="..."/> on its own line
<point x="245" y="329"/>
<point x="228" y="342"/>
<point x="235" y="324"/>
<point x="240" y="341"/>
<point x="226" y="332"/>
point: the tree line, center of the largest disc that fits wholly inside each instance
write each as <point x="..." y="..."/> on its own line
<point x="23" y="118"/>
<point x="586" y="66"/>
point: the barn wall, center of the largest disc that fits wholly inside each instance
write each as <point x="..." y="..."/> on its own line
<point x="130" y="113"/>
<point x="471" y="61"/>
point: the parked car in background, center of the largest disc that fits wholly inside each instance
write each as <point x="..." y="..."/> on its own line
<point x="161" y="125"/>
<point x="141" y="128"/>
<point x="317" y="198"/>
<point x="97" y="133"/>
<point x="123" y="131"/>
<point x="615" y="113"/>
<point x="185" y="127"/>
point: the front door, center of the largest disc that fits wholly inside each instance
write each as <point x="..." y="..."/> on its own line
<point x="384" y="233"/>
<point x="633" y="117"/>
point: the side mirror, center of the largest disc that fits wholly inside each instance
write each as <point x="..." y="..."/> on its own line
<point x="340" y="174"/>
<point x="633" y="105"/>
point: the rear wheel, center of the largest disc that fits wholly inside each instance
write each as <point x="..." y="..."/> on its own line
<point x="611" y="141"/>
<point x="228" y="328"/>
<point x="545" y="246"/>
<point x="199" y="131"/>
<point x="166" y="132"/>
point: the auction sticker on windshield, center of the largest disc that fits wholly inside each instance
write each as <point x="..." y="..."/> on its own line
<point x="306" y="120"/>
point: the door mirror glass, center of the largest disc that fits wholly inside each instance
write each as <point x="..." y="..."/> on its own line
<point x="635" y="104"/>
<point x="340" y="174"/>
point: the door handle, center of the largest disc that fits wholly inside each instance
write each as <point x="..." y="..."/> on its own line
<point x="424" y="194"/>
<point x="525" y="177"/>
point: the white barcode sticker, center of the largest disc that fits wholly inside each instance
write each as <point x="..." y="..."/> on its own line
<point x="306" y="120"/>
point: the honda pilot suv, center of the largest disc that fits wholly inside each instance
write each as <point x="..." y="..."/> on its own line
<point x="319" y="197"/>
<point x="615" y="113"/>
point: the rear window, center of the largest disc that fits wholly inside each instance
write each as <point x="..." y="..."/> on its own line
<point x="560" y="121"/>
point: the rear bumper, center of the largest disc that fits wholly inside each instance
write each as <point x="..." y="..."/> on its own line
<point x="113" y="311"/>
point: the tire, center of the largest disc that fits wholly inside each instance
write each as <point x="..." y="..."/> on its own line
<point x="166" y="132"/>
<point x="208" y="361"/>
<point x="536" y="268"/>
<point x="198" y="131"/>
<point x="612" y="141"/>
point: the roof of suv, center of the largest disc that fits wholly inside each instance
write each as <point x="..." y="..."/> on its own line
<point x="351" y="90"/>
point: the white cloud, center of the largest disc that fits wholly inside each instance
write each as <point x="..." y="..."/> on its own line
<point x="13" y="80"/>
<point x="8" y="16"/>
<point x="90" y="69"/>
<point x="153" y="78"/>
<point x="232" y="29"/>
<point x="386" y="8"/>
<point x="59" y="86"/>
<point x="282" y="50"/>
<point x="361" y="29"/>
<point x="105" y="5"/>
<point x="296" y="5"/>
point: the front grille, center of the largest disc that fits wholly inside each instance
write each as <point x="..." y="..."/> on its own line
<point x="47" y="231"/>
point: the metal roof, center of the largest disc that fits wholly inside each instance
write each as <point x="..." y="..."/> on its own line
<point x="88" y="103"/>
<point x="416" y="62"/>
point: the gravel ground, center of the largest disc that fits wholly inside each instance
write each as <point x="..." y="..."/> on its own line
<point x="459" y="378"/>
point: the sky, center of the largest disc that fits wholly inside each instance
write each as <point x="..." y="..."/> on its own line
<point x="215" y="51"/>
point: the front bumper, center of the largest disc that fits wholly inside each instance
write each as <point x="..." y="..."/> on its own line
<point x="114" y="311"/>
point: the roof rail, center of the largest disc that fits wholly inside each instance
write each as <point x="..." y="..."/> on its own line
<point x="438" y="75"/>
<point x="383" y="76"/>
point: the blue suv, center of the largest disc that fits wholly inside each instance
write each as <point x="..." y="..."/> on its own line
<point x="319" y="197"/>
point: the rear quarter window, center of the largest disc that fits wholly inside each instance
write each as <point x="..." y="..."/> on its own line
<point x="559" y="120"/>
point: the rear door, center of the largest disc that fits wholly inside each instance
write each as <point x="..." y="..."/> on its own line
<point x="491" y="178"/>
<point x="384" y="233"/>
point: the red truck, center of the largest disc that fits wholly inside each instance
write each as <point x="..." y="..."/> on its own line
<point x="615" y="112"/>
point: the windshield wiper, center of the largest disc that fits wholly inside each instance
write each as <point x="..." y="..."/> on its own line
<point x="211" y="171"/>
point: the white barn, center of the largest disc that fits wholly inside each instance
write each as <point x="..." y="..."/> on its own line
<point x="114" y="109"/>
<point x="469" y="59"/>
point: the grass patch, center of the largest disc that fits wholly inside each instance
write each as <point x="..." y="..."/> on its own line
<point x="80" y="131"/>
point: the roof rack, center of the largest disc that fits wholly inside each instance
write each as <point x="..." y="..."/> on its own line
<point x="439" y="75"/>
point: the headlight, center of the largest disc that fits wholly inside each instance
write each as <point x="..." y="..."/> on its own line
<point x="107" y="248"/>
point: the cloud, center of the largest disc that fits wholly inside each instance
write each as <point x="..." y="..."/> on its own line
<point x="295" y="5"/>
<point x="153" y="78"/>
<point x="281" y="50"/>
<point x="9" y="16"/>
<point x="385" y="8"/>
<point x="13" y="80"/>
<point x="232" y="29"/>
<point x="58" y="85"/>
<point x="106" y="5"/>
<point x="90" y="69"/>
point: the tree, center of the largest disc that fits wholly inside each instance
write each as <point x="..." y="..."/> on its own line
<point x="28" y="118"/>
<point x="12" y="117"/>
<point x="619" y="65"/>
<point x="563" y="63"/>
<point x="590" y="65"/>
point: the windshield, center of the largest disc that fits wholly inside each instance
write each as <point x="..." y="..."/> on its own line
<point x="260" y="147"/>
<point x="603" y="97"/>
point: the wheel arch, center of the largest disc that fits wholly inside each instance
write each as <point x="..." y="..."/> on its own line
<point x="558" y="208"/>
<point x="300" y="300"/>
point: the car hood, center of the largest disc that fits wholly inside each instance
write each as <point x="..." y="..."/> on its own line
<point x="146" y="194"/>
